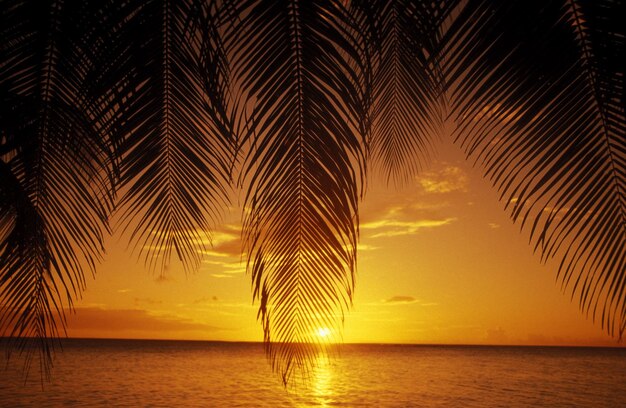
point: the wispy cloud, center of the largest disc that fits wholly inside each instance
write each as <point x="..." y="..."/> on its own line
<point x="147" y="301"/>
<point x="365" y="247"/>
<point x="393" y="228"/>
<point x="215" y="304"/>
<point x="223" y="241"/>
<point x="203" y="300"/>
<point x="223" y="267"/>
<point x="446" y="180"/>
<point x="422" y="205"/>
<point x="221" y="275"/>
<point x="120" y="320"/>
<point x="496" y="336"/>
<point x="401" y="299"/>
<point x="556" y="213"/>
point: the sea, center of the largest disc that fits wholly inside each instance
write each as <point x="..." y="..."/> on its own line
<point x="154" y="373"/>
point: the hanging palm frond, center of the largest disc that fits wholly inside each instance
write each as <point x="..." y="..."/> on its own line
<point x="539" y="98"/>
<point x="174" y="132"/>
<point x="296" y="62"/>
<point x="407" y="85"/>
<point x="54" y="191"/>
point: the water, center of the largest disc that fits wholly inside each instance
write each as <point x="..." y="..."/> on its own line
<point x="136" y="373"/>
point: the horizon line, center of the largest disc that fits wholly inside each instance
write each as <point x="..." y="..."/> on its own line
<point x="618" y="344"/>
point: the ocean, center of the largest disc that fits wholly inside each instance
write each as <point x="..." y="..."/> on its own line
<point x="148" y="373"/>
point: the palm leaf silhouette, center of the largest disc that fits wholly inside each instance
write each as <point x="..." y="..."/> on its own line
<point x="539" y="98"/>
<point x="303" y="170"/>
<point x="55" y="194"/>
<point x="174" y="134"/>
<point x="407" y="85"/>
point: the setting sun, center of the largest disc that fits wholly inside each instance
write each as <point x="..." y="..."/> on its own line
<point x="323" y="332"/>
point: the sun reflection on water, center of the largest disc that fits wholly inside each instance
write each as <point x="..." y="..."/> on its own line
<point x="319" y="388"/>
<point x="322" y="386"/>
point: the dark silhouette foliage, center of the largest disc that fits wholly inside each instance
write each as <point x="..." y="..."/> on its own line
<point x="168" y="102"/>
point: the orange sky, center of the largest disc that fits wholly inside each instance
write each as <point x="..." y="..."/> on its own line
<point x="439" y="262"/>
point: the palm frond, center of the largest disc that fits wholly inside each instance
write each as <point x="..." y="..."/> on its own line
<point x="407" y="84"/>
<point x="54" y="191"/>
<point x="539" y="98"/>
<point x="296" y="62"/>
<point x="173" y="131"/>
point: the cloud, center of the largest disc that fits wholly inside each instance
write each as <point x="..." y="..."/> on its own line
<point x="223" y="259"/>
<point x="223" y="267"/>
<point x="496" y="336"/>
<point x="393" y="228"/>
<point x="401" y="299"/>
<point x="205" y="299"/>
<point x="365" y="247"/>
<point x="536" y="339"/>
<point x="408" y="203"/>
<point x="121" y="323"/>
<point x="135" y="320"/>
<point x="422" y="205"/>
<point x="446" y="180"/>
<point x="556" y="214"/>
<point x="224" y="240"/>
<point x="405" y="300"/>
<point x="147" y="301"/>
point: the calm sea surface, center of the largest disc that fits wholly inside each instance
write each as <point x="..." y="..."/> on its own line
<point x="137" y="373"/>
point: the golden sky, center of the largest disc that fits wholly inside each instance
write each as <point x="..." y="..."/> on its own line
<point x="439" y="262"/>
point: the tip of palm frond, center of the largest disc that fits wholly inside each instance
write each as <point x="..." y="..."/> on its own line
<point x="296" y="362"/>
<point x="24" y="345"/>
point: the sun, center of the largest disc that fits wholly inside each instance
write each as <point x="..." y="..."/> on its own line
<point x="323" y="332"/>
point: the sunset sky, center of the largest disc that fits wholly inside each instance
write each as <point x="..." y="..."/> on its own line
<point x="439" y="262"/>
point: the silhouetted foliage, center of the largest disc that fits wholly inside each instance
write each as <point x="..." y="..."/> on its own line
<point x="168" y="101"/>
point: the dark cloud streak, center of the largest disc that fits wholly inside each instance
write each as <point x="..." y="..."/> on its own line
<point x="118" y="320"/>
<point x="401" y="299"/>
